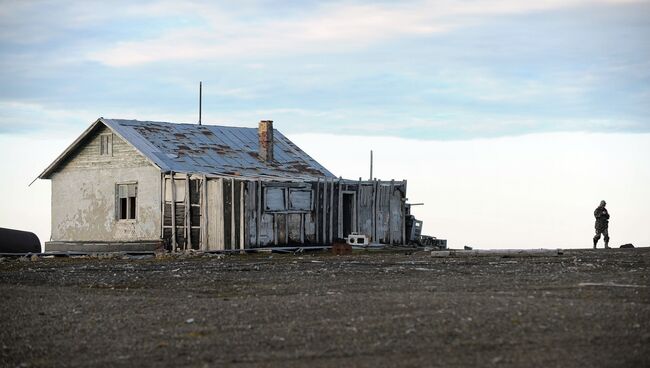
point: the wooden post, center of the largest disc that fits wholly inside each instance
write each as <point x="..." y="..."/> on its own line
<point x="173" y="183"/>
<point x="259" y="211"/>
<point x="331" y="209"/>
<point x="302" y="228"/>
<point x="233" y="238"/>
<point x="275" y="229"/>
<point x="317" y="205"/>
<point x="357" y="227"/>
<point x="374" y="210"/>
<point x="325" y="211"/>
<point x="390" y="212"/>
<point x="162" y="210"/>
<point x="204" y="213"/>
<point x="242" y="226"/>
<point x="339" y="218"/>
<point x="404" y="240"/>
<point x="188" y="220"/>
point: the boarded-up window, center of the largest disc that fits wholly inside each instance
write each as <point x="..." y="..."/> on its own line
<point x="126" y="201"/>
<point x="275" y="200"/>
<point x="300" y="199"/>
<point x="106" y="144"/>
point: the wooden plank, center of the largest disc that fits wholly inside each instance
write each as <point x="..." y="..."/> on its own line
<point x="259" y="212"/>
<point x="390" y="213"/>
<point x="162" y="209"/>
<point x="242" y="225"/>
<point x="302" y="228"/>
<point x="358" y="208"/>
<point x="215" y="221"/>
<point x="339" y="212"/>
<point x="173" y="212"/>
<point x="331" y="209"/>
<point x="374" y="211"/>
<point x="232" y="214"/>
<point x="317" y="205"/>
<point x="324" y="211"/>
<point x="404" y="215"/>
<point x="275" y="229"/>
<point x="204" y="213"/>
<point x="188" y="221"/>
<point x="281" y="232"/>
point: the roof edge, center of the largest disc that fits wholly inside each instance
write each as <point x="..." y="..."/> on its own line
<point x="46" y="174"/>
<point x="49" y="170"/>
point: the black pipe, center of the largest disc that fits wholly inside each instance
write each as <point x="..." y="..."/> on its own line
<point x="16" y="241"/>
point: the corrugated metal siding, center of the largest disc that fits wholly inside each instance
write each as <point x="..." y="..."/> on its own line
<point x="218" y="150"/>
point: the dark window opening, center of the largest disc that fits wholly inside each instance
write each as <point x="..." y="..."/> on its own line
<point x="132" y="208"/>
<point x="123" y="206"/>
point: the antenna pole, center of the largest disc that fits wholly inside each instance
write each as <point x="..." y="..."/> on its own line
<point x="200" y="99"/>
<point x="370" y="164"/>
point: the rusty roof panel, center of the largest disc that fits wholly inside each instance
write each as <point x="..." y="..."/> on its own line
<point x="216" y="150"/>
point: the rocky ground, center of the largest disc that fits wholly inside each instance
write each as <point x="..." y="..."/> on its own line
<point x="584" y="308"/>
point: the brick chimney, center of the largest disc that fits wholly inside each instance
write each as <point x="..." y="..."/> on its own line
<point x="266" y="140"/>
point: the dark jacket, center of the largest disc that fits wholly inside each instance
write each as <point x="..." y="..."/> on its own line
<point x="602" y="218"/>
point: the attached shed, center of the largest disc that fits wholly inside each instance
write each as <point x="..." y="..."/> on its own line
<point x="142" y="185"/>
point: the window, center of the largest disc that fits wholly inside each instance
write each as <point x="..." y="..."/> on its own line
<point x="282" y="199"/>
<point x="275" y="199"/>
<point x="126" y="201"/>
<point x="106" y="144"/>
<point x="300" y="199"/>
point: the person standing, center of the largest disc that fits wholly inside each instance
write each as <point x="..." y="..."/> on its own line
<point x="602" y="224"/>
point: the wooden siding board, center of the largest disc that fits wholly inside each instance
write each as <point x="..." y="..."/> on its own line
<point x="227" y="215"/>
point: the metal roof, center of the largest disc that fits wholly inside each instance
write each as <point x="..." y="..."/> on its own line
<point x="210" y="150"/>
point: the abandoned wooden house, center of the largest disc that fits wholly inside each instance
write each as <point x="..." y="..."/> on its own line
<point x="142" y="185"/>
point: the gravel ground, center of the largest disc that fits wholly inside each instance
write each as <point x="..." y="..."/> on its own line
<point x="584" y="308"/>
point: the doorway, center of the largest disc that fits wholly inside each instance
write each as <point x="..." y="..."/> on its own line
<point x="349" y="211"/>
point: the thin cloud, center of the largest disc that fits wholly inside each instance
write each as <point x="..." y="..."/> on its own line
<point x="338" y="27"/>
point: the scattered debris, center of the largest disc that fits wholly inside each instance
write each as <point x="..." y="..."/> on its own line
<point x="357" y="239"/>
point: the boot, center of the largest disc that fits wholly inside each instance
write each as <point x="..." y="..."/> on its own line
<point x="606" y="245"/>
<point x="595" y="242"/>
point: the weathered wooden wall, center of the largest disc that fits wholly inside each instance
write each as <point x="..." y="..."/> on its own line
<point x="237" y="214"/>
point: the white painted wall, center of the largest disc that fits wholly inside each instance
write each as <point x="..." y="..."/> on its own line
<point x="83" y="205"/>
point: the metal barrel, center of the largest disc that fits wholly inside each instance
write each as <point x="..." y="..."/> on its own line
<point x="16" y="241"/>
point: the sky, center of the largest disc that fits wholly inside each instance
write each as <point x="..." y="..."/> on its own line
<point x="510" y="120"/>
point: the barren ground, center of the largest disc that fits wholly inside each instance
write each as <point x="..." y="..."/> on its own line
<point x="582" y="309"/>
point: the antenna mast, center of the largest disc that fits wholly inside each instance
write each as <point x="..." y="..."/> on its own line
<point x="200" y="99"/>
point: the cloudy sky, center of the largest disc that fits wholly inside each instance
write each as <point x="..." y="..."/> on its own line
<point x="510" y="119"/>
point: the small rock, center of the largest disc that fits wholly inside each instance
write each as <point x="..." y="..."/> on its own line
<point x="627" y="246"/>
<point x="189" y="320"/>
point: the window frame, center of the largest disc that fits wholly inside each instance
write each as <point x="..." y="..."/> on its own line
<point x="286" y="199"/>
<point x="131" y="209"/>
<point x="290" y="206"/>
